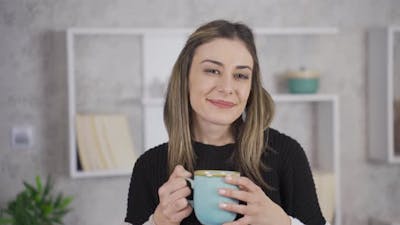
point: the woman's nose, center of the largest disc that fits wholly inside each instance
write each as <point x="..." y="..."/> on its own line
<point x="226" y="85"/>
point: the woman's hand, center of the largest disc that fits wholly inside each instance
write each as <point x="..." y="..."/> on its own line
<point x="173" y="207"/>
<point x="260" y="210"/>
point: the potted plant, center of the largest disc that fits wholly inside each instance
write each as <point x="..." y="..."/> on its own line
<point x="36" y="205"/>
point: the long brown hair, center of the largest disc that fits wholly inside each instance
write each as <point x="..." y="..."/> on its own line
<point x="248" y="129"/>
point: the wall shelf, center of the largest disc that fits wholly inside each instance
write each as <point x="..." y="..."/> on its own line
<point x="304" y="97"/>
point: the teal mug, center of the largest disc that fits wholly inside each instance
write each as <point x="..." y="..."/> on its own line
<point x="206" y="199"/>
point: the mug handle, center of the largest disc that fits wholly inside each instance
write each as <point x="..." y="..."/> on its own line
<point x="191" y="202"/>
<point x="190" y="181"/>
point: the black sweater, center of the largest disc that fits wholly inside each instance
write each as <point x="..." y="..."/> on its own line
<point x="290" y="176"/>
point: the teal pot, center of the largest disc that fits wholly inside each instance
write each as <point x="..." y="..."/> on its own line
<point x="303" y="85"/>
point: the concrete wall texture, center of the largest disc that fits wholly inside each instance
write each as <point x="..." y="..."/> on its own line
<point x="33" y="89"/>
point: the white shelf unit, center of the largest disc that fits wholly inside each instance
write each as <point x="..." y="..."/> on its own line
<point x="71" y="35"/>
<point x="327" y="105"/>
<point x="327" y="139"/>
<point x="381" y="64"/>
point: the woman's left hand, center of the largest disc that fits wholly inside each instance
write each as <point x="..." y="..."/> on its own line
<point x="259" y="210"/>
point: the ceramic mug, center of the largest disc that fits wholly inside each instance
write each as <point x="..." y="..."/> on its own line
<point x="206" y="199"/>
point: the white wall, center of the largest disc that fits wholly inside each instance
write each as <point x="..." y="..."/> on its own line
<point x="33" y="88"/>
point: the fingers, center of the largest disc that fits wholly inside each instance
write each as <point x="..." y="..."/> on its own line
<point x="177" y="201"/>
<point x="179" y="171"/>
<point x="260" y="209"/>
<point x="241" y="209"/>
<point x="238" y="194"/>
<point x="176" y="207"/>
<point x="163" y="216"/>
<point x="243" y="182"/>
<point x="171" y="186"/>
<point x="249" y="192"/>
<point x="249" y="213"/>
<point x="242" y="221"/>
<point x="175" y="182"/>
<point x="173" y="204"/>
<point x="182" y="214"/>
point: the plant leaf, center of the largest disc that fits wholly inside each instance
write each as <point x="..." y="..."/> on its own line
<point x="39" y="184"/>
<point x="65" y="202"/>
<point x="36" y="205"/>
<point x="58" y="200"/>
<point x="4" y="221"/>
<point x="48" y="187"/>
<point x="30" y="188"/>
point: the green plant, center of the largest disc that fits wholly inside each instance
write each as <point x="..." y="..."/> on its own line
<point x="36" y="205"/>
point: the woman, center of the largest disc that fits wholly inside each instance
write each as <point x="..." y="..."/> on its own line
<point x="217" y="115"/>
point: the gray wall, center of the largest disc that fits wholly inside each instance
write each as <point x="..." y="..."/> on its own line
<point x="33" y="89"/>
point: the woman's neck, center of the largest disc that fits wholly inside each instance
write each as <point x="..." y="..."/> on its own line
<point x="212" y="134"/>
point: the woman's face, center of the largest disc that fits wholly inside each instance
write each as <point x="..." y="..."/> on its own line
<point x="220" y="81"/>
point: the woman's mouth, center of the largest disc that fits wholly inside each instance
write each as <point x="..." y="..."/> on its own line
<point x="221" y="103"/>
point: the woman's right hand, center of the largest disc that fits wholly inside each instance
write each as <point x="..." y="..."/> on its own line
<point x="173" y="206"/>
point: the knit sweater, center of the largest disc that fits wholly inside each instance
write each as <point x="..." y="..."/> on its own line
<point x="289" y="176"/>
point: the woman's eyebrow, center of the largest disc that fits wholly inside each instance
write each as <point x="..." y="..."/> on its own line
<point x="212" y="61"/>
<point x="244" y="67"/>
<point x="221" y="64"/>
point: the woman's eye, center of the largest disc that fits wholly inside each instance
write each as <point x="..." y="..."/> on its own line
<point x="241" y="76"/>
<point x="212" y="71"/>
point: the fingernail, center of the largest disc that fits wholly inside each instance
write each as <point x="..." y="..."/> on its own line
<point x="229" y="177"/>
<point x="222" y="205"/>
<point x="221" y="191"/>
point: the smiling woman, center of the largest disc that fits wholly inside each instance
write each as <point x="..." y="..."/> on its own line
<point x="217" y="115"/>
<point x="219" y="86"/>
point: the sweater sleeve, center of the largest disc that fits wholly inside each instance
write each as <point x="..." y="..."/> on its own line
<point x="298" y="187"/>
<point x="140" y="201"/>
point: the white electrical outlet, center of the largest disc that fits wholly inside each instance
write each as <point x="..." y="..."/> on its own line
<point x="22" y="137"/>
